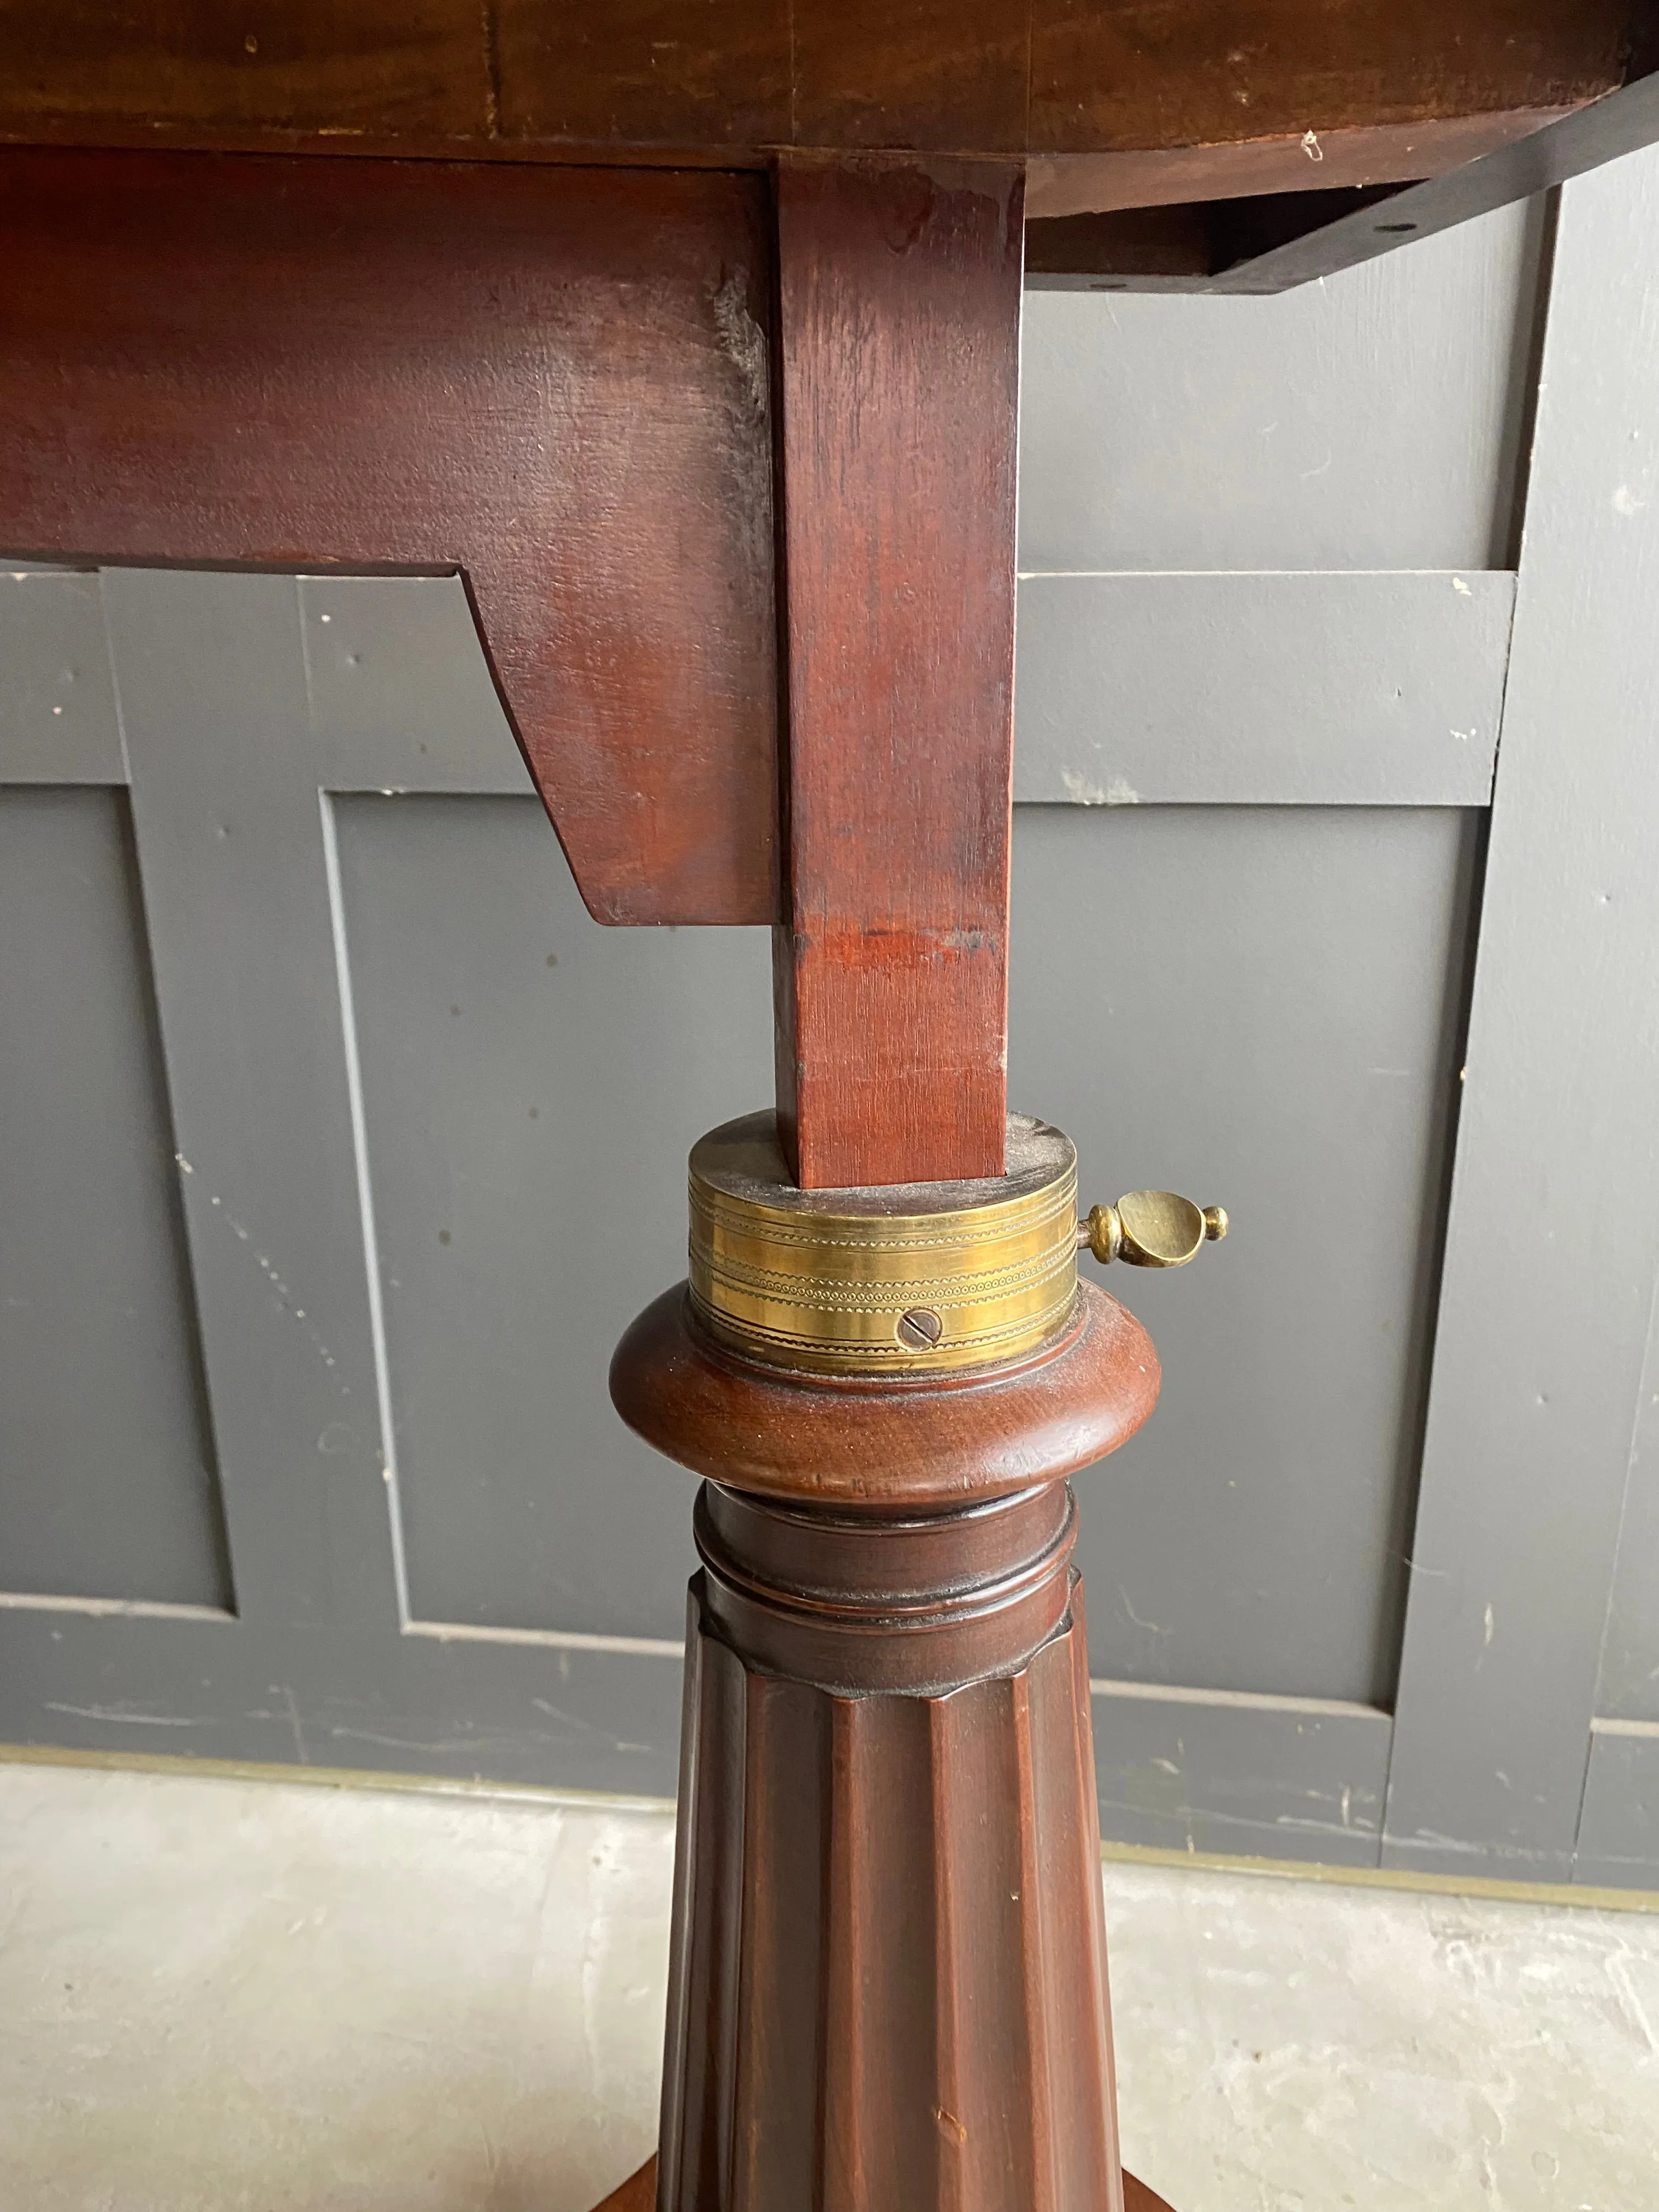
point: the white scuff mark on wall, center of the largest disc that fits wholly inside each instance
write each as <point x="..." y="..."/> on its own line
<point x="285" y="1296"/>
<point x="1311" y="147"/>
<point x="1462" y="588"/>
<point x="124" y="1716"/>
<point x="433" y="1745"/>
<point x="1083" y="791"/>
<point x="291" y="1703"/>
<point x="1625" y="501"/>
<point x="1152" y="1626"/>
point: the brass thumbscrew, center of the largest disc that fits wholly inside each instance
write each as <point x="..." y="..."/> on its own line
<point x="1150" y="1228"/>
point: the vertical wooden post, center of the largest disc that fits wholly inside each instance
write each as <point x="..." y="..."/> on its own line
<point x="888" y="1986"/>
<point x="898" y="314"/>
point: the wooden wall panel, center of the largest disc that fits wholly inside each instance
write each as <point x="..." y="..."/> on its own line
<point x="1552" y="1237"/>
<point x="899" y="298"/>
<point x="528" y="1566"/>
<point x="553" y="379"/>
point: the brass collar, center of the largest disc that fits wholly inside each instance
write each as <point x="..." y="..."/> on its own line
<point x="905" y="1279"/>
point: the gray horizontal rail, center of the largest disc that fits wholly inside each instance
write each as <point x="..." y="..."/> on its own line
<point x="1315" y="689"/>
<point x="1249" y="689"/>
<point x="1247" y="1775"/>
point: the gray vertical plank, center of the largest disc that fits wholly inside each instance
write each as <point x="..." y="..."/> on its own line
<point x="1553" y="1234"/>
<point x="107" y="1489"/>
<point x="401" y="694"/>
<point x="1629" y="1687"/>
<point x="210" y="681"/>
<point x="512" y="1053"/>
<point x="57" y="708"/>
<point x="1260" y="1005"/>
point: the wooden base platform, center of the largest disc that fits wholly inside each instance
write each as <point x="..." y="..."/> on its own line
<point x="639" y="2194"/>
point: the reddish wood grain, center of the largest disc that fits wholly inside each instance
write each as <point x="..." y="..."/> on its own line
<point x="739" y="77"/>
<point x="1061" y="185"/>
<point x="639" y="2194"/>
<point x="413" y="67"/>
<point x="915" y="1441"/>
<point x="708" y="73"/>
<point x="898" y="316"/>
<point x="904" y="2004"/>
<point x="555" y="379"/>
<point x="948" y="75"/>
<point x="887" y="1980"/>
<point x="1109" y="74"/>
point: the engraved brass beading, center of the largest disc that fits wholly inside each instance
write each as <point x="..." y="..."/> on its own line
<point x="902" y="1280"/>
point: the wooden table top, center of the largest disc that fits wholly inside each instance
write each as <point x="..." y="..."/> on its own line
<point x="1113" y="103"/>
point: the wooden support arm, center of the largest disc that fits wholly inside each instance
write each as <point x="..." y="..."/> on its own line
<point x="553" y="380"/>
<point x="898" y="320"/>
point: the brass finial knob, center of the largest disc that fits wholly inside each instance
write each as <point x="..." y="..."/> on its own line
<point x="1150" y="1228"/>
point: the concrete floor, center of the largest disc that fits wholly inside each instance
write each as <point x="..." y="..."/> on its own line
<point x="218" y="1994"/>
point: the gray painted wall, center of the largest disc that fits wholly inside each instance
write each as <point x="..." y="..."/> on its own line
<point x="342" y="1145"/>
<point x="1370" y="421"/>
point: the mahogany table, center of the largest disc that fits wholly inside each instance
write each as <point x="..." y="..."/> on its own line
<point x="299" y="285"/>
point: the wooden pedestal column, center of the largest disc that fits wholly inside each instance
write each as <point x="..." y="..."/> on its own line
<point x="888" y="1987"/>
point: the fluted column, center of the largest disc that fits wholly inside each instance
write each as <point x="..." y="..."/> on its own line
<point x="888" y="1983"/>
<point x="894" y="1993"/>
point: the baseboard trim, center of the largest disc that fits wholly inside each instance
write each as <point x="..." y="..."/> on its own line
<point x="1395" y="1877"/>
<point x="323" y="1778"/>
<point x="343" y="1778"/>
